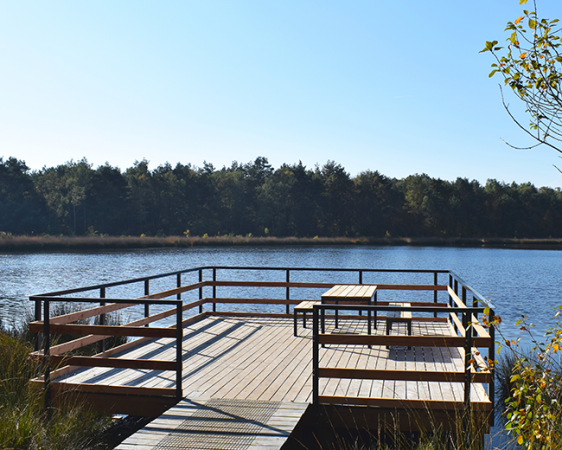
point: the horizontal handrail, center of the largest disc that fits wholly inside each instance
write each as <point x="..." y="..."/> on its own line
<point x="248" y="268"/>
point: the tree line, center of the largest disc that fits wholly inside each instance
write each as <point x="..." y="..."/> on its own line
<point x="293" y="200"/>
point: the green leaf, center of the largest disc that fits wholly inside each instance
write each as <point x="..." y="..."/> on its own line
<point x="532" y="24"/>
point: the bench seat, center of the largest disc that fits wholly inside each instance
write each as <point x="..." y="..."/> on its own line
<point x="303" y="308"/>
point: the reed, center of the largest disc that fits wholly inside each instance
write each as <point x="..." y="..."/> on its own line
<point x="24" y="423"/>
<point x="10" y="243"/>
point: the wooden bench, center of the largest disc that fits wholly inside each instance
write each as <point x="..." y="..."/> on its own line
<point x="303" y="307"/>
<point x="399" y="316"/>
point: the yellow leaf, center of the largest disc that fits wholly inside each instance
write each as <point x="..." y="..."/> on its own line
<point x="519" y="20"/>
<point x="520" y="440"/>
<point x="523" y="55"/>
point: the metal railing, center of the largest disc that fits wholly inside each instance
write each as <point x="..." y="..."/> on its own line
<point x="213" y="277"/>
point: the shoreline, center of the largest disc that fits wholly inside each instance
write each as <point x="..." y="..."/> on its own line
<point x="51" y="243"/>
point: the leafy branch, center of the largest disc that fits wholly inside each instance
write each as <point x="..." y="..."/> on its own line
<point x="531" y="65"/>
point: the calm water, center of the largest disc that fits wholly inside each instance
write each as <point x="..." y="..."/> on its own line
<point x="518" y="282"/>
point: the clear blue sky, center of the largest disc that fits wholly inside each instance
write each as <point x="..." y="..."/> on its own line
<point x="395" y="86"/>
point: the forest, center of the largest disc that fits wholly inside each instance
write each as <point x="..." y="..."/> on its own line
<point x="74" y="199"/>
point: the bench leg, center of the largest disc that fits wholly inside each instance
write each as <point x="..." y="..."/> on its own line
<point x="295" y="322"/>
<point x="304" y="319"/>
<point x="388" y="328"/>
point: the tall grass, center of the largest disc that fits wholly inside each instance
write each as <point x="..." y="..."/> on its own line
<point x="24" y="423"/>
<point x="359" y="428"/>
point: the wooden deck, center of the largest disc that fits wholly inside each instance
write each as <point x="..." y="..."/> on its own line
<point x="252" y="374"/>
<point x="234" y="368"/>
<point x="260" y="359"/>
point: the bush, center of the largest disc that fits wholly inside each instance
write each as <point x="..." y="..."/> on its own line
<point x="533" y="391"/>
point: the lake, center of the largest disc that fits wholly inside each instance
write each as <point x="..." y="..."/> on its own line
<point x="517" y="282"/>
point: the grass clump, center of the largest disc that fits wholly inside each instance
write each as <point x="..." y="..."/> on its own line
<point x="24" y="422"/>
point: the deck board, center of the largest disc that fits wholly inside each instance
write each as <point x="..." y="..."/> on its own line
<point x="260" y="359"/>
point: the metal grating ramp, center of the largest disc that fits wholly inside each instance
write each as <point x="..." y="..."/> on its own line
<point x="222" y="424"/>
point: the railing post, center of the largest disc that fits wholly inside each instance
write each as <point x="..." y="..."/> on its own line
<point x="451" y="303"/>
<point x="214" y="289"/>
<point x="475" y="305"/>
<point x="38" y="336"/>
<point x="200" y="290"/>
<point x="361" y="311"/>
<point x="491" y="357"/>
<point x="451" y="286"/>
<point x="288" y="292"/>
<point x="46" y="354"/>
<point x="178" y="285"/>
<point x="467" y="358"/>
<point x="315" y="357"/>
<point x="102" y="317"/>
<point x="146" y="305"/>
<point x="435" y="292"/>
<point x="179" y="360"/>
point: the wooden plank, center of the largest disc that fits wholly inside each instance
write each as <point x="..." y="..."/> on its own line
<point x="405" y="341"/>
<point x="114" y="390"/>
<point x="286" y="389"/>
<point x="84" y="314"/>
<point x="370" y="374"/>
<point x="109" y="330"/>
<point x="403" y="403"/>
<point x="455" y="297"/>
<point x="120" y="363"/>
<point x="258" y="301"/>
<point x="249" y="314"/>
<point x="411" y="287"/>
<point x="258" y="366"/>
<point x="479" y="328"/>
<point x="234" y="363"/>
<point x="458" y="323"/>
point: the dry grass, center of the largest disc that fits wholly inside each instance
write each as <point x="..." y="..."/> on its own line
<point x="57" y="243"/>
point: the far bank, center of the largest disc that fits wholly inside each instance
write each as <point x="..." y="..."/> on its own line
<point x="9" y="243"/>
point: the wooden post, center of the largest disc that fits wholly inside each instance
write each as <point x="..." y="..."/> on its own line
<point x="102" y="317"/>
<point x="178" y="285"/>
